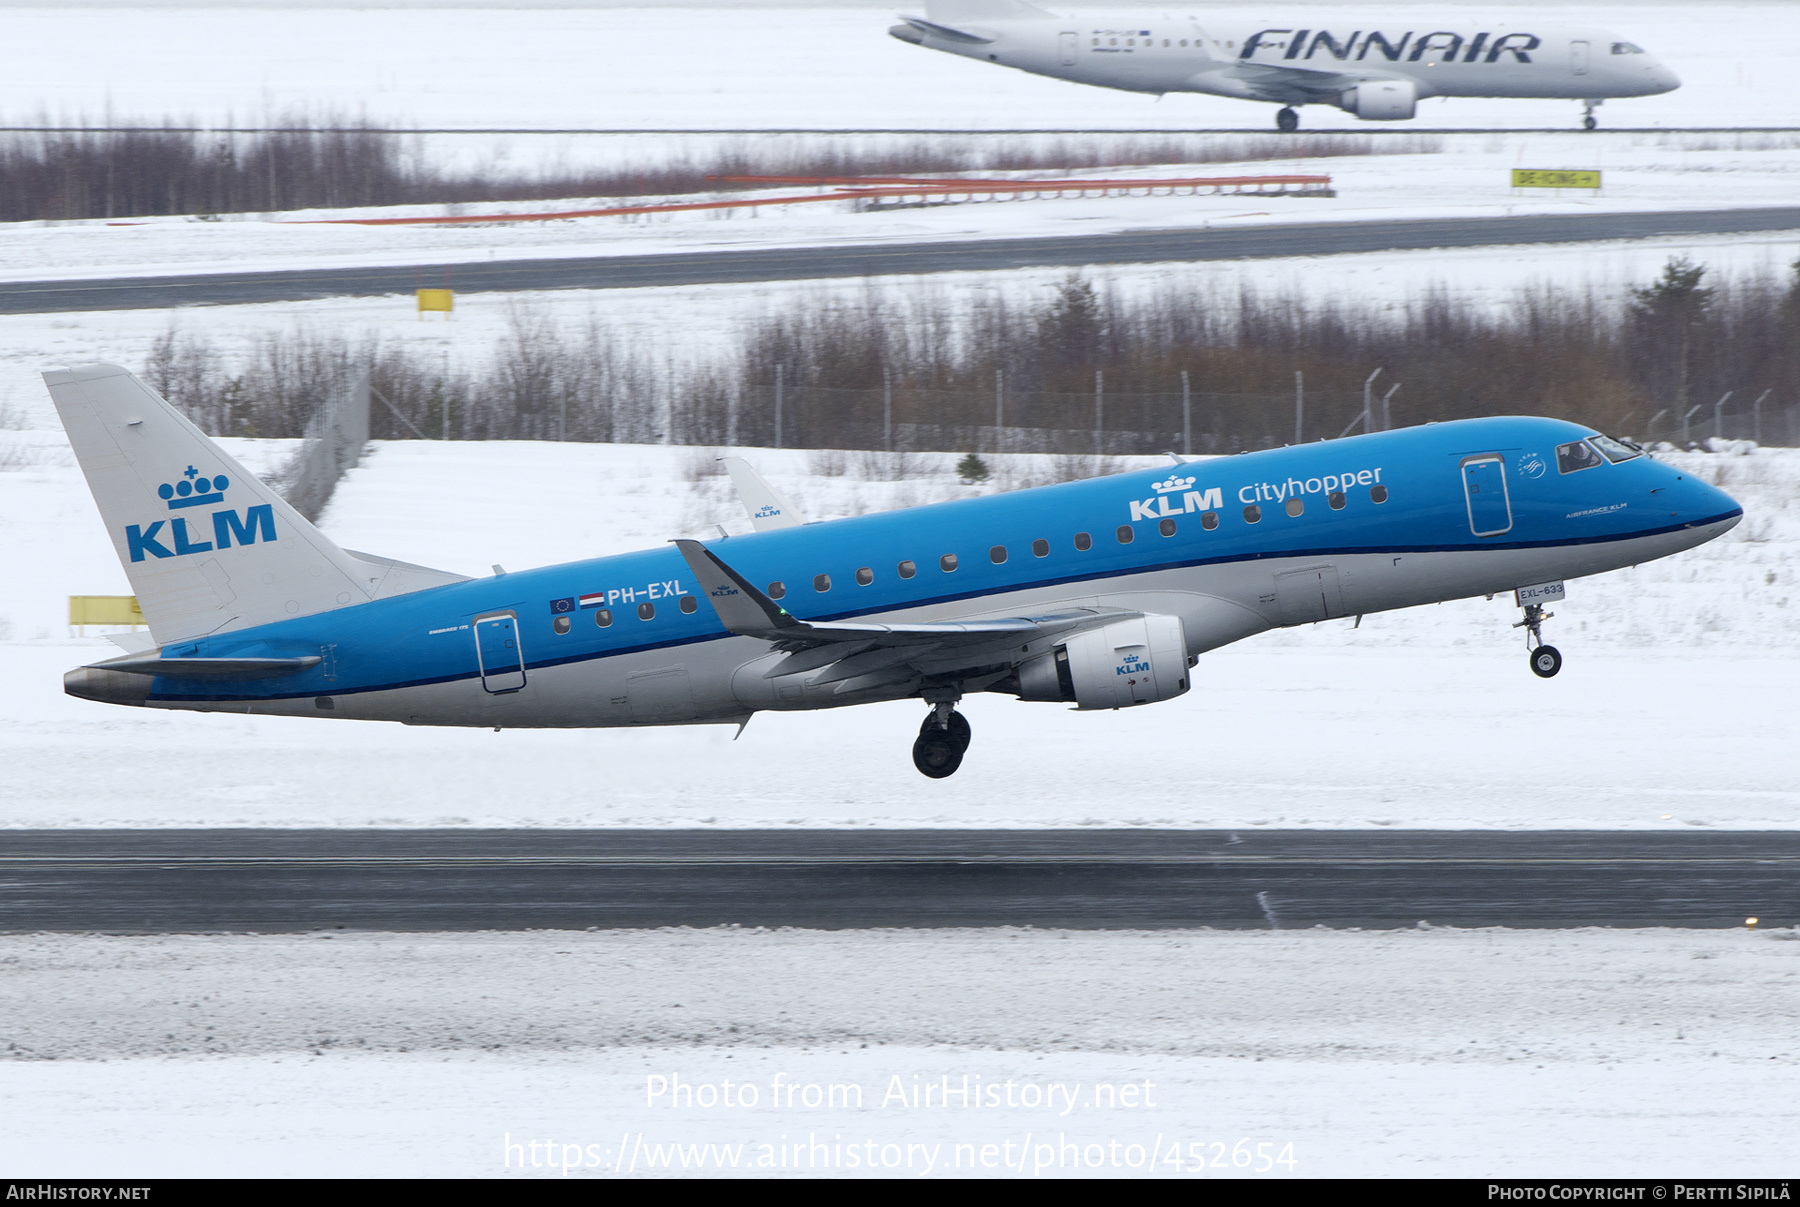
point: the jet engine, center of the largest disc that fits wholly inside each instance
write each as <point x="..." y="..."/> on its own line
<point x="1381" y="100"/>
<point x="1130" y="662"/>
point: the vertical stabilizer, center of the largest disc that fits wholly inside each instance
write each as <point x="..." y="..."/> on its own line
<point x="207" y="545"/>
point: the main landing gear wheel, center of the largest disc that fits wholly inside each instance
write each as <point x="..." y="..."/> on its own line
<point x="1287" y="120"/>
<point x="1546" y="660"/>
<point x="939" y="750"/>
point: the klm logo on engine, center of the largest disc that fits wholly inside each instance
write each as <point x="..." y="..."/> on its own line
<point x="194" y="489"/>
<point x="1209" y="499"/>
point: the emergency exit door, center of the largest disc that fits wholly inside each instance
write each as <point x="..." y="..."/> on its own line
<point x="1484" y="488"/>
<point x="497" y="649"/>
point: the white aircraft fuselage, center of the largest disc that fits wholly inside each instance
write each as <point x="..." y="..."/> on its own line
<point x="1373" y="70"/>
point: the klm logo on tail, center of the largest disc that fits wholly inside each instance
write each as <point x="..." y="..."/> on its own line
<point x="194" y="489"/>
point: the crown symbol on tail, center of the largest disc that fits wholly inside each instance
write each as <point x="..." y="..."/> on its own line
<point x="193" y="489"/>
<point x="1171" y="483"/>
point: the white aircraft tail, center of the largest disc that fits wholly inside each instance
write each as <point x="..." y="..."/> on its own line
<point x="951" y="11"/>
<point x="768" y="508"/>
<point x="207" y="545"/>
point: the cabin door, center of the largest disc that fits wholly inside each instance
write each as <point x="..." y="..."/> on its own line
<point x="497" y="649"/>
<point x="1068" y="50"/>
<point x="1578" y="58"/>
<point x="1484" y="489"/>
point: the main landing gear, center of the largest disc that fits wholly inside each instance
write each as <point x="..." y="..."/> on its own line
<point x="1546" y="660"/>
<point x="1287" y="120"/>
<point x="943" y="740"/>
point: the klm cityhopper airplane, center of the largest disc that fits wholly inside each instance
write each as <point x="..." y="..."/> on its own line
<point x="1303" y="59"/>
<point x="1100" y="594"/>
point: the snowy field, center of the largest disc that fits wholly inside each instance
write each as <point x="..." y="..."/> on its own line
<point x="1429" y="1052"/>
<point x="1676" y="707"/>
<point x="1467" y="177"/>
<point x="573" y="66"/>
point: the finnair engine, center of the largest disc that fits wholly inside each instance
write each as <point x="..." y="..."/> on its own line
<point x="1131" y="662"/>
<point x="1381" y="100"/>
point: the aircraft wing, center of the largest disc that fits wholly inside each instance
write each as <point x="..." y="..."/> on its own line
<point x="859" y="656"/>
<point x="1296" y="85"/>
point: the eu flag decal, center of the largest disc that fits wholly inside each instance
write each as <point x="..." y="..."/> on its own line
<point x="558" y="606"/>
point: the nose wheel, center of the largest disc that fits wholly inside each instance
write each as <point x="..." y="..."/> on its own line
<point x="1546" y="660"/>
<point x="1588" y="121"/>
<point x="1287" y="120"/>
<point x="942" y="742"/>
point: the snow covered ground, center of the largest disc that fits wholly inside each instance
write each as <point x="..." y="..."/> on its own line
<point x="1428" y="1052"/>
<point x="1469" y="176"/>
<point x="667" y="66"/>
<point x="1676" y="707"/>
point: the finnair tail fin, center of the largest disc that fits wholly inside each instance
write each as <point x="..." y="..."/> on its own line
<point x="208" y="546"/>
<point x="983" y="10"/>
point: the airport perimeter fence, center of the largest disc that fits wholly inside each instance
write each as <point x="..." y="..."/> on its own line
<point x="333" y="443"/>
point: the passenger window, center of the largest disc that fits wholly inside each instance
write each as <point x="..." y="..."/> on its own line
<point x="1573" y="458"/>
<point x="947" y="563"/>
<point x="603" y="618"/>
<point x="1083" y="541"/>
<point x="1040" y="549"/>
<point x="561" y="625"/>
<point x="907" y="569"/>
<point x="777" y="590"/>
<point x="1335" y="500"/>
<point x="1126" y="535"/>
<point x="1252" y="514"/>
<point x="1377" y="494"/>
<point x="1167" y="527"/>
<point x="997" y="555"/>
<point x="864" y="577"/>
<point x="821" y="583"/>
<point x="1296" y="505"/>
<point x="689" y="604"/>
<point x="646" y="610"/>
<point x="1209" y="520"/>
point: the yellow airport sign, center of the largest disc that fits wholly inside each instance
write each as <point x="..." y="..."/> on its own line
<point x="436" y="299"/>
<point x="105" y="609"/>
<point x="1553" y="178"/>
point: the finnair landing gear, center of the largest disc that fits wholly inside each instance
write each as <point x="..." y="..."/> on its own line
<point x="943" y="740"/>
<point x="1588" y="122"/>
<point x="1546" y="660"/>
<point x="1287" y="120"/>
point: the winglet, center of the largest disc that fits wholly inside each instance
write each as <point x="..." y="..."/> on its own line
<point x="741" y="607"/>
<point x="768" y="507"/>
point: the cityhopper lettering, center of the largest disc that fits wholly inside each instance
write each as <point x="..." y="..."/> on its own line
<point x="1437" y="46"/>
<point x="1279" y="492"/>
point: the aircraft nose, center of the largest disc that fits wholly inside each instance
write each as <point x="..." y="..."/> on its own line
<point x="1662" y="79"/>
<point x="1701" y="503"/>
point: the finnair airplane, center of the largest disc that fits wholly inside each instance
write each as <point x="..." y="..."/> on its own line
<point x="1376" y="74"/>
<point x="1102" y="594"/>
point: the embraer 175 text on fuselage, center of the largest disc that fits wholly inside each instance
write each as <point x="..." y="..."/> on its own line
<point x="1102" y="593"/>
<point x="1308" y="59"/>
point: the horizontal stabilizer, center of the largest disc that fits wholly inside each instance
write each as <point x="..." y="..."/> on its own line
<point x="946" y="32"/>
<point x="211" y="669"/>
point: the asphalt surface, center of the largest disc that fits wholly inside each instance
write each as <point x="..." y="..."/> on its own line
<point x="171" y="881"/>
<point x="804" y="263"/>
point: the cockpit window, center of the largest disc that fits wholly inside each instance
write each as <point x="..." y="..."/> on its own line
<point x="1627" y="48"/>
<point x="1571" y="458"/>
<point x="1615" y="450"/>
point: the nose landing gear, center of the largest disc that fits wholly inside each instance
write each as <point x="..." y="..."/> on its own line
<point x="943" y="740"/>
<point x="1287" y="120"/>
<point x="1546" y="660"/>
<point x="1588" y="121"/>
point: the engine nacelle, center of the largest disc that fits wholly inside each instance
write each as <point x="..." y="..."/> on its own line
<point x="1381" y="100"/>
<point x="1132" y="662"/>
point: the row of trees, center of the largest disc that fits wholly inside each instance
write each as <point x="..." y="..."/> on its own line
<point x="57" y="174"/>
<point x="1082" y="370"/>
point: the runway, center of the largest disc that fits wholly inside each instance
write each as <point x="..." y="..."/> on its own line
<point x="1185" y="245"/>
<point x="176" y="881"/>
